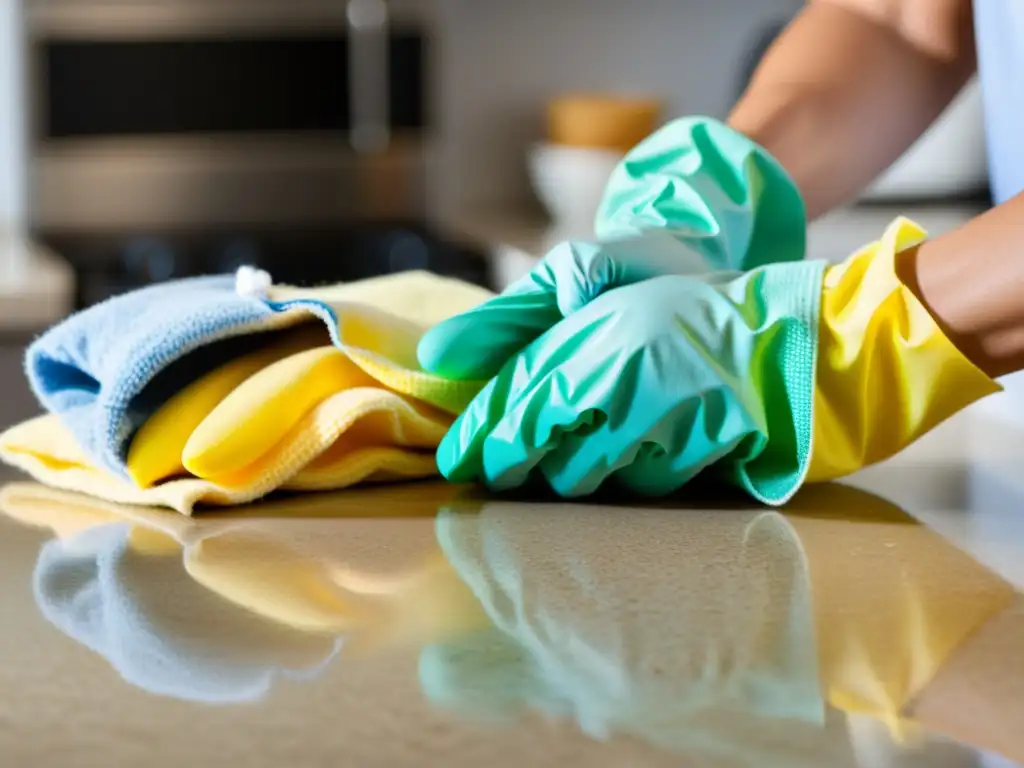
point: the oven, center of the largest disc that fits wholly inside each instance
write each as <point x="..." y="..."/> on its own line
<point x="177" y="137"/>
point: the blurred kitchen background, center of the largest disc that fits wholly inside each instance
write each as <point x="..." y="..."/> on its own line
<point x="144" y="140"/>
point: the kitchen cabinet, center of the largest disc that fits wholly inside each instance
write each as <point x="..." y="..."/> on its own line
<point x="17" y="402"/>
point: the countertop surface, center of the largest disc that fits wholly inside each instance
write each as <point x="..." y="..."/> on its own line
<point x="875" y="623"/>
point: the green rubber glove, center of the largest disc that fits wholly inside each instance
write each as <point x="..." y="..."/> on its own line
<point x="650" y="384"/>
<point x="694" y="196"/>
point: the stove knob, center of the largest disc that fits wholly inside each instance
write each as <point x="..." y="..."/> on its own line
<point x="149" y="260"/>
<point x="406" y="251"/>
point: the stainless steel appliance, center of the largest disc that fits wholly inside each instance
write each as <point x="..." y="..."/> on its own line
<point x="173" y="137"/>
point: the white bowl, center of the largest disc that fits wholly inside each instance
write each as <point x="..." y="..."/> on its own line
<point x="570" y="182"/>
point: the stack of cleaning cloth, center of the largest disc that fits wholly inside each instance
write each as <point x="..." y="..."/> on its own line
<point x="220" y="390"/>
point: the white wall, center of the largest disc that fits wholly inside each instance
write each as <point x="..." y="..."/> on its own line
<point x="12" y="116"/>
<point x="502" y="60"/>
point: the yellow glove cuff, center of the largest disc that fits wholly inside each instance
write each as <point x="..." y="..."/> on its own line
<point x="886" y="373"/>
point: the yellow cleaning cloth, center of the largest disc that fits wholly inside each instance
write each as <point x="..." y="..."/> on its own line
<point x="297" y="414"/>
<point x="155" y="453"/>
<point x="892" y="599"/>
<point x="298" y="562"/>
<point x="886" y="373"/>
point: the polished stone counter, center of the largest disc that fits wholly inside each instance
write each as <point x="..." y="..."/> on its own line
<point x="874" y="623"/>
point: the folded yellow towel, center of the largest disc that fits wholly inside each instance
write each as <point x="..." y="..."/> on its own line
<point x="297" y="414"/>
<point x="284" y="561"/>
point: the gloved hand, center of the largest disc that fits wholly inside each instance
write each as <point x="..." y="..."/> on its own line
<point x="650" y="384"/>
<point x="693" y="197"/>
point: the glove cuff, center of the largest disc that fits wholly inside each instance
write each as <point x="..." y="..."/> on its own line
<point x="881" y="347"/>
<point x="791" y="296"/>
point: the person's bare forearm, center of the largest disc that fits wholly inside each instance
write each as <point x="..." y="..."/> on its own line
<point x="972" y="280"/>
<point x="850" y="85"/>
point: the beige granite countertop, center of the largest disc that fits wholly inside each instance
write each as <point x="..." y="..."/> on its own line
<point x="483" y="630"/>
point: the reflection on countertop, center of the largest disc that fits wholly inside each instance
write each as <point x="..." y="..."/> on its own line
<point x="429" y="623"/>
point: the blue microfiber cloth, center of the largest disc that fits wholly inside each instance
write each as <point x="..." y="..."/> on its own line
<point x="162" y="631"/>
<point x="106" y="369"/>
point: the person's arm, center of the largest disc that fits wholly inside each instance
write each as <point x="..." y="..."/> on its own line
<point x="850" y="85"/>
<point x="971" y="281"/>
